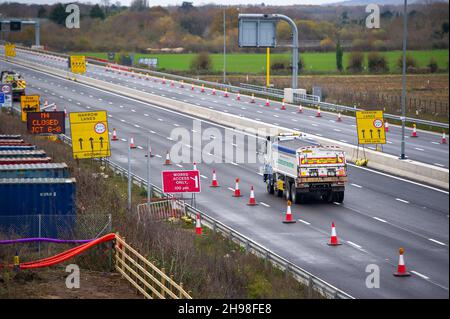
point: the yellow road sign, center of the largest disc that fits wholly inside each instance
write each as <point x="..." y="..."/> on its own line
<point x="370" y="126"/>
<point x="10" y="50"/>
<point x="29" y="103"/>
<point x="90" y="137"/>
<point x="78" y="64"/>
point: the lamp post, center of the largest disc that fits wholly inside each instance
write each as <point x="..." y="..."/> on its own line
<point x="403" y="117"/>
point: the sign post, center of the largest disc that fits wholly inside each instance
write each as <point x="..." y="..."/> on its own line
<point x="6" y="93"/>
<point x="370" y="126"/>
<point x="29" y="103"/>
<point x="90" y="135"/>
<point x="46" y="122"/>
<point x="181" y="181"/>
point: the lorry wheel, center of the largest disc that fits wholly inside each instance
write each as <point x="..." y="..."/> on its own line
<point x="328" y="197"/>
<point x="338" y="197"/>
<point x="269" y="187"/>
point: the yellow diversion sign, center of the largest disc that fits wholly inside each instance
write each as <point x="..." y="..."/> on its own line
<point x="78" y="64"/>
<point x="90" y="137"/>
<point x="29" y="103"/>
<point x="370" y="126"/>
<point x="10" y="50"/>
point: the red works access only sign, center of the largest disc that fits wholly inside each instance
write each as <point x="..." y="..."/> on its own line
<point x="181" y="181"/>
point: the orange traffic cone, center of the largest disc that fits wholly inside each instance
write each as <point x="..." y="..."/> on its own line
<point x="318" y="114"/>
<point x="386" y="126"/>
<point x="167" y="162"/>
<point x="192" y="87"/>
<point x="288" y="216"/>
<point x="195" y="166"/>
<point x="267" y="102"/>
<point x="237" y="191"/>
<point x="339" y="119"/>
<point x="198" y="225"/>
<point x="147" y="78"/>
<point x="45" y="103"/>
<point x="65" y="112"/>
<point x="226" y="93"/>
<point x="172" y="83"/>
<point x="164" y="80"/>
<point x="334" y="239"/>
<point x="252" y="201"/>
<point x="283" y="105"/>
<point x="203" y="88"/>
<point x="238" y="98"/>
<point x="444" y="138"/>
<point x="214" y="182"/>
<point x="300" y="109"/>
<point x="414" y="132"/>
<point x="401" y="267"/>
<point x="253" y="98"/>
<point x="132" y="146"/>
<point x="114" y="136"/>
<point x="214" y="91"/>
<point x="182" y="84"/>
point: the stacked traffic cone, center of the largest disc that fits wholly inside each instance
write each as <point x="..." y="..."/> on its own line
<point x="237" y="191"/>
<point x="238" y="98"/>
<point x="267" y="102"/>
<point x="300" y="109"/>
<point x="252" y="201"/>
<point x="401" y="267"/>
<point x="114" y="135"/>
<point x="444" y="138"/>
<point x="198" y="225"/>
<point x="334" y="239"/>
<point x="214" y="91"/>
<point x="414" y="132"/>
<point x="168" y="161"/>
<point x="203" y="88"/>
<point x="386" y="126"/>
<point x="283" y="105"/>
<point x="253" y="98"/>
<point x="318" y="114"/>
<point x="214" y="182"/>
<point x="339" y="119"/>
<point x="226" y="93"/>
<point x="132" y="146"/>
<point x="288" y="216"/>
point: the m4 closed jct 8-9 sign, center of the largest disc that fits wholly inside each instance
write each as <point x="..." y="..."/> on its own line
<point x="46" y="122"/>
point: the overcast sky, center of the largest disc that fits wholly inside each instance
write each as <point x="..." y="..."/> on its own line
<point x="196" y="2"/>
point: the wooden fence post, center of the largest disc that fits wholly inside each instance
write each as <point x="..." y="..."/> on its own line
<point x="163" y="281"/>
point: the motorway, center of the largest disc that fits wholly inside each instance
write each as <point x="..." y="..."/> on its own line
<point x="380" y="213"/>
<point x="426" y="148"/>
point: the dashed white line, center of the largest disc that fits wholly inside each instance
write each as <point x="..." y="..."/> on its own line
<point x="304" y="222"/>
<point x="402" y="200"/>
<point x="264" y="204"/>
<point x="437" y="242"/>
<point x="356" y="185"/>
<point x="419" y="274"/>
<point x="379" y="219"/>
<point x="353" y="244"/>
<point x="419" y="149"/>
<point x="231" y="189"/>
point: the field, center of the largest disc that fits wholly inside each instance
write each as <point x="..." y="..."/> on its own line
<point x="255" y="63"/>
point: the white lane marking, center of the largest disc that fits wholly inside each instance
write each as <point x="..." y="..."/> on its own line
<point x="175" y="124"/>
<point x="304" y="222"/>
<point x="314" y="124"/>
<point x="169" y="138"/>
<point x="435" y="143"/>
<point x="264" y="204"/>
<point x="235" y="164"/>
<point x="437" y="242"/>
<point x="419" y="149"/>
<point x="389" y="142"/>
<point x="294" y="120"/>
<point x="157" y="155"/>
<point x="134" y="111"/>
<point x="203" y="176"/>
<point x="231" y="189"/>
<point x="135" y="125"/>
<point x="275" y="115"/>
<point x="179" y="165"/>
<point x="402" y="200"/>
<point x="140" y="147"/>
<point x="356" y="185"/>
<point x="145" y="114"/>
<point x="420" y="275"/>
<point x="379" y="219"/>
<point x="337" y="130"/>
<point x="161" y="120"/>
<point x="343" y="141"/>
<point x="440" y="165"/>
<point x="353" y="244"/>
<point x="153" y="132"/>
<point x="123" y="140"/>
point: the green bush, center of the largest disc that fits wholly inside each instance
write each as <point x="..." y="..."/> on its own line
<point x="433" y="65"/>
<point x="410" y="62"/>
<point x="202" y="62"/>
<point x="377" y="63"/>
<point x="355" y="61"/>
